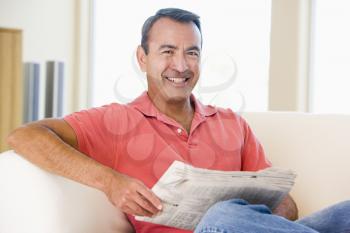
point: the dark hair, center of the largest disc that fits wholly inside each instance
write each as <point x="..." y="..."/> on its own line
<point x="176" y="14"/>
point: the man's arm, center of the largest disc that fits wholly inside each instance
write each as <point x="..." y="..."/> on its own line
<point x="287" y="208"/>
<point x="52" y="145"/>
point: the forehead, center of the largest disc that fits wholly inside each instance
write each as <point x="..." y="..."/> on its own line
<point x="168" y="31"/>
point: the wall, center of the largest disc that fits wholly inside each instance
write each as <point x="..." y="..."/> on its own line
<point x="61" y="30"/>
<point x="49" y="33"/>
<point x="289" y="55"/>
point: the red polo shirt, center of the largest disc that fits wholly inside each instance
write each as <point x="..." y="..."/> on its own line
<point x="138" y="140"/>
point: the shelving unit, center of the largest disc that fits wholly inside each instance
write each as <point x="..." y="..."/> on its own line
<point x="11" y="83"/>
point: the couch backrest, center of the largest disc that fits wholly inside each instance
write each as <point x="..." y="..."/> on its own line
<point x="317" y="147"/>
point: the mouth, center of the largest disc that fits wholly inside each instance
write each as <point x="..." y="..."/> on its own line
<point x="177" y="80"/>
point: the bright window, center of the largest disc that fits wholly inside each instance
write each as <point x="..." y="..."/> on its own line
<point x="235" y="54"/>
<point x="330" y="63"/>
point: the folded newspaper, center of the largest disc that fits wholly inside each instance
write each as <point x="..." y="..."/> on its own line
<point x="188" y="192"/>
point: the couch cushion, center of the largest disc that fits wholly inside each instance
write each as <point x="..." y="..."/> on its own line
<point x="316" y="146"/>
<point x="32" y="200"/>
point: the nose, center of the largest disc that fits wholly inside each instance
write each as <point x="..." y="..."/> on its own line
<point x="179" y="63"/>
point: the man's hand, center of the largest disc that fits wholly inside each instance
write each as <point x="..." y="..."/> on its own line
<point x="132" y="196"/>
<point x="287" y="208"/>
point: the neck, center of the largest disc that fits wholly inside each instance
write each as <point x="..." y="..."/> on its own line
<point x="180" y="111"/>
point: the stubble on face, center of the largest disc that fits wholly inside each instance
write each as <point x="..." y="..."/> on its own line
<point x="167" y="80"/>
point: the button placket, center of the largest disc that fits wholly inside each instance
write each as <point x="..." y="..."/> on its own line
<point x="179" y="131"/>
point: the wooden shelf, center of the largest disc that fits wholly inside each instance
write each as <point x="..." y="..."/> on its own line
<point x="11" y="83"/>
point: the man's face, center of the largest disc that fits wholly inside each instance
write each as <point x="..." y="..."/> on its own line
<point x="172" y="64"/>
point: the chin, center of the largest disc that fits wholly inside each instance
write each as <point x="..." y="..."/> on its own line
<point x="177" y="98"/>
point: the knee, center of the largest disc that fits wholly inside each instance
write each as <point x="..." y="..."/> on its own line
<point x="344" y="206"/>
<point x="219" y="216"/>
<point x="346" y="203"/>
<point x="231" y="205"/>
<point x="236" y="207"/>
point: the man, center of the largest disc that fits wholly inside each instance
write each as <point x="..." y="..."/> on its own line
<point x="123" y="150"/>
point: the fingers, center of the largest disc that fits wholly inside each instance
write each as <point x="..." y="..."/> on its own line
<point x="133" y="197"/>
<point x="150" y="197"/>
<point x="135" y="209"/>
<point x="135" y="206"/>
<point x="145" y="204"/>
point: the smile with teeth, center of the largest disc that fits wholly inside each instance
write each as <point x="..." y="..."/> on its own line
<point x="177" y="80"/>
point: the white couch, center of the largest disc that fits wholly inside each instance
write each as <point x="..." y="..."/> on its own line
<point x="317" y="147"/>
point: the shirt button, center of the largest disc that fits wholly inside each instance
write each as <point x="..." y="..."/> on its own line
<point x="179" y="131"/>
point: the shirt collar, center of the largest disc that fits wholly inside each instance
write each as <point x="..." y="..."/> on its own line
<point x="144" y="104"/>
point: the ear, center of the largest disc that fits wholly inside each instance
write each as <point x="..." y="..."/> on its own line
<point x="141" y="58"/>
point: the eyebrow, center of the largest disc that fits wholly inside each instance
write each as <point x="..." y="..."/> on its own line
<point x="195" y="47"/>
<point x="168" y="46"/>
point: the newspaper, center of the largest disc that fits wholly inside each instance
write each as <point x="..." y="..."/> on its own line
<point x="188" y="192"/>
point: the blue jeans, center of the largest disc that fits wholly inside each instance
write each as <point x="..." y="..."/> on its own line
<point x="238" y="216"/>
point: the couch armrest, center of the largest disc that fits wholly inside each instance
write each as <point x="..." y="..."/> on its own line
<point x="33" y="200"/>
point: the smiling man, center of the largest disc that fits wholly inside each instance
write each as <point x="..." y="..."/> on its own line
<point x="123" y="150"/>
<point x="170" y="55"/>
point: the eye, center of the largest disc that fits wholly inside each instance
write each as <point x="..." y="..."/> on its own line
<point x="167" y="52"/>
<point x="193" y="53"/>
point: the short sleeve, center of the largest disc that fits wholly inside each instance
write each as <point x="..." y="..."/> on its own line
<point x="94" y="138"/>
<point x="253" y="155"/>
